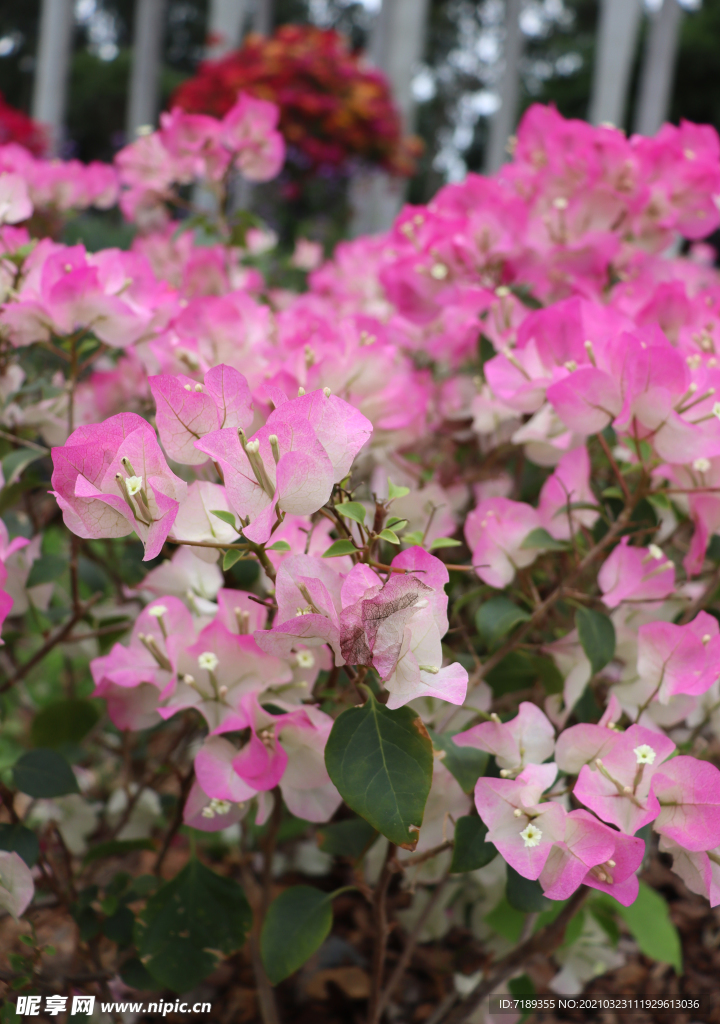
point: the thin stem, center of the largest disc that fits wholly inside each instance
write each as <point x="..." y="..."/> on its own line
<point x="412" y="941"/>
<point x="24" y="443"/>
<point x="52" y="642"/>
<point x="382" y="931"/>
<point x="615" y="468"/>
<point x="544" y="941"/>
<point x="542" y="609"/>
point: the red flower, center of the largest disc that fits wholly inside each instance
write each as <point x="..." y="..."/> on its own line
<point x="15" y="126"/>
<point x="332" y="107"/>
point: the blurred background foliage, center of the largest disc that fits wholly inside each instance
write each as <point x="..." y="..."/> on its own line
<point x="453" y="88"/>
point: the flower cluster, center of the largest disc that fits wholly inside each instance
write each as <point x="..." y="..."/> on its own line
<point x="332" y="107"/>
<point x="459" y="495"/>
<point x="191" y="147"/>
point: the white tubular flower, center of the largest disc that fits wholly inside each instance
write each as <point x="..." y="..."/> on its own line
<point x="644" y="754"/>
<point x="208" y="660"/>
<point x="531" y="835"/>
<point x="134" y="485"/>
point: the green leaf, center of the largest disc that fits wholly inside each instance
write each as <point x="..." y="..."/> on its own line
<point x="648" y="919"/>
<point x="119" y="926"/>
<point x="467" y="764"/>
<point x="396" y="491"/>
<point x="135" y="974"/>
<point x="522" y="988"/>
<point x="351" y="510"/>
<point x="540" y="538"/>
<point x="189" y="920"/>
<point x="381" y="761"/>
<point x="17" y="461"/>
<point x="46" y="570"/>
<point x="413" y="539"/>
<point x="497" y="617"/>
<point x="279" y="545"/>
<point x="397" y="522"/>
<point x="44" y="773"/>
<point x="340" y="547"/>
<point x="506" y="921"/>
<point x="519" y="670"/>
<point x="226" y="517"/>
<point x="19" y="839"/>
<point x="116" y="848"/>
<point x="389" y="535"/>
<point x="66" y="721"/>
<point x="296" y="925"/>
<point x="230" y="558"/>
<point x="444" y="542"/>
<point x="347" y="838"/>
<point x="471" y="851"/>
<point x="597" y="636"/>
<point x="613" y="492"/>
<point x="523" y="893"/>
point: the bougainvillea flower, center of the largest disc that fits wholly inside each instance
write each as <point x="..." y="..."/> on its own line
<point x="679" y="659"/>
<point x="620" y="790"/>
<point x="112" y="478"/>
<point x="593" y="854"/>
<point x="495" y="532"/>
<point x="529" y="738"/>
<point x="521" y="827"/>
<point x="187" y="411"/>
<point x="688" y="793"/>
<point x="636" y="574"/>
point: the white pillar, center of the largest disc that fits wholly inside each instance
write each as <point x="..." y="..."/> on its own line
<point x="502" y="123"/>
<point x="143" y="100"/>
<point x="52" y="66"/>
<point x="658" y="70"/>
<point x="225" y="25"/>
<point x="264" y="17"/>
<point x="614" y="55"/>
<point x="397" y="48"/>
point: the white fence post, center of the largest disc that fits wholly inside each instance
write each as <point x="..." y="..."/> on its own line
<point x="52" y="66"/>
<point x="502" y="123"/>
<point x="264" y="17"/>
<point x="143" y="100"/>
<point x="658" y="70"/>
<point x="397" y="47"/>
<point x="225" y="26"/>
<point x="617" y="42"/>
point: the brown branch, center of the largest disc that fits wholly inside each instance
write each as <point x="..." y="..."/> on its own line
<point x="53" y="641"/>
<point x="542" y="609"/>
<point x="545" y="941"/>
<point x="412" y="941"/>
<point x="615" y="468"/>
<point x="380" y="921"/>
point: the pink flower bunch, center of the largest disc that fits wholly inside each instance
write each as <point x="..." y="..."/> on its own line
<point x="65" y="291"/>
<point x="60" y="186"/>
<point x="173" y="662"/>
<point x="627" y="779"/>
<point x="190" y="147"/>
<point x="394" y="627"/>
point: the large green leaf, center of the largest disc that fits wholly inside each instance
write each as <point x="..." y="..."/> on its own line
<point x="46" y="570"/>
<point x="19" y="839"/>
<point x="523" y="893"/>
<point x="187" y="921"/>
<point x="296" y="925"/>
<point x="648" y="919"/>
<point x="497" y="617"/>
<point x="66" y="721"/>
<point x="597" y="636"/>
<point x="347" y="838"/>
<point x="44" y="773"/>
<point x="381" y="762"/>
<point x="467" y="764"/>
<point x="17" y="461"/>
<point x="471" y="851"/>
